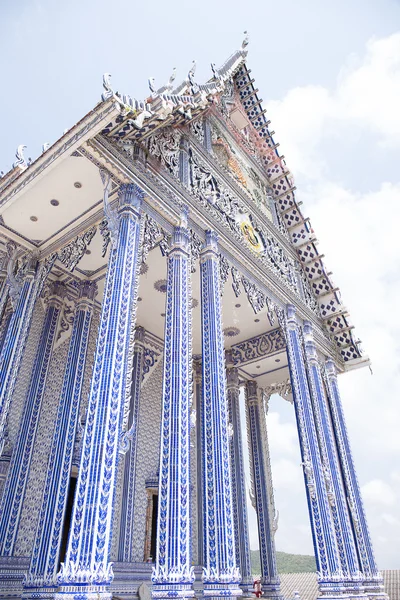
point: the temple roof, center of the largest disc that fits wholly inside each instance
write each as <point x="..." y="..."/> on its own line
<point x="122" y="118"/>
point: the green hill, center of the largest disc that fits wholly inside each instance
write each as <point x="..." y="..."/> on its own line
<point x="287" y="563"/>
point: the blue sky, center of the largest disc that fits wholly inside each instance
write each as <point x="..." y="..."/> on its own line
<point x="329" y="74"/>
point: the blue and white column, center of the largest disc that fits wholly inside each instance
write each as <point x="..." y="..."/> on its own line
<point x="259" y="451"/>
<point x="87" y="570"/>
<point x="173" y="574"/>
<point x="373" y="582"/>
<point x="330" y="575"/>
<point x="41" y="577"/>
<point x="126" y="532"/>
<point x="3" y="297"/>
<point x="197" y="371"/>
<point x="331" y="469"/>
<point x="17" y="334"/>
<point x="17" y="477"/>
<point x="221" y="575"/>
<point x="241" y="528"/>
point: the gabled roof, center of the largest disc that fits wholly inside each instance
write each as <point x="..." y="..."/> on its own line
<point x="137" y="120"/>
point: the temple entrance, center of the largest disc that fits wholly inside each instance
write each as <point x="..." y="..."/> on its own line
<point x="153" y="535"/>
<point x="150" y="545"/>
<point x="67" y="518"/>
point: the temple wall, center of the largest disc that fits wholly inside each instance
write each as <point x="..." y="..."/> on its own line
<point x="148" y="452"/>
<point x="40" y="457"/>
<point x="35" y="483"/>
<point x="24" y="375"/>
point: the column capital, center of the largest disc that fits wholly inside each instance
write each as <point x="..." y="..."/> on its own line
<point x="180" y="237"/>
<point x="252" y="392"/>
<point x="55" y="293"/>
<point x="210" y="249"/>
<point x="291" y="317"/>
<point x="330" y="368"/>
<point x="130" y="195"/>
<point x="309" y="343"/>
<point x="232" y="378"/>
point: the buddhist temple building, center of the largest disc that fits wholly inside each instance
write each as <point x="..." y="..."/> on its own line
<point x="156" y="272"/>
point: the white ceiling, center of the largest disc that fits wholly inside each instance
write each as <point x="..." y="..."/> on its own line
<point x="57" y="185"/>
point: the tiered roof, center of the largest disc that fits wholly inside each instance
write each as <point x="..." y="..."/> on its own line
<point x="181" y="104"/>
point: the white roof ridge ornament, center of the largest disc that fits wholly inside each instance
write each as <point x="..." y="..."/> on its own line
<point x="19" y="155"/>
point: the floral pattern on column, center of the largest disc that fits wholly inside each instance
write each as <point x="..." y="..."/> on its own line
<point x="270" y="582"/>
<point x="17" y="332"/>
<point x="173" y="574"/>
<point x="220" y="572"/>
<point x="45" y="556"/>
<point x="15" y="485"/>
<point x="373" y="582"/>
<point x="242" y="543"/>
<point x="126" y="519"/>
<point x="331" y="469"/>
<point x="87" y="567"/>
<point x="330" y="576"/>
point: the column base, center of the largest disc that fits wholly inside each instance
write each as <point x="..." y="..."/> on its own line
<point x="83" y="592"/>
<point x="271" y="590"/>
<point x="332" y="590"/>
<point x="172" y="590"/>
<point x="216" y="590"/>
<point x="374" y="589"/>
<point x="35" y="593"/>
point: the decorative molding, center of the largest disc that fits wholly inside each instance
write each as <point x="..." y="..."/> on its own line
<point x="71" y="254"/>
<point x="258" y="347"/>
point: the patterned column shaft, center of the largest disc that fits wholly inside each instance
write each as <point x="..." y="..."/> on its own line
<point x="87" y="559"/>
<point x="326" y="553"/>
<point x="331" y="468"/>
<point x="3" y="297"/>
<point x="220" y="573"/>
<point x="373" y="579"/>
<point x="173" y="573"/>
<point x="242" y="543"/>
<point x="17" y="334"/>
<point x="45" y="556"/>
<point x="262" y="491"/>
<point x="199" y="456"/>
<point x="7" y="314"/>
<point x="126" y="520"/>
<point x="15" y="486"/>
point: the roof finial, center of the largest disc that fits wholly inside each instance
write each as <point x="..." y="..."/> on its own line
<point x="171" y="80"/>
<point x="152" y="86"/>
<point x="245" y="41"/>
<point x="108" y="92"/>
<point x="45" y="146"/>
<point x="193" y="87"/>
<point x="214" y="70"/>
<point x="20" y="162"/>
<point x="192" y="72"/>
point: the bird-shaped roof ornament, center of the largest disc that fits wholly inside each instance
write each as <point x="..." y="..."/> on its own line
<point x="19" y="155"/>
<point x="108" y="91"/>
<point x="169" y="84"/>
<point x="152" y="86"/>
<point x="245" y="42"/>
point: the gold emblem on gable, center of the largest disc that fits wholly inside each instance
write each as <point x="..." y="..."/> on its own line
<point x="250" y="234"/>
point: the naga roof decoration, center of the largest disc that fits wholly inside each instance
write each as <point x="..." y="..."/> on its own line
<point x="168" y="106"/>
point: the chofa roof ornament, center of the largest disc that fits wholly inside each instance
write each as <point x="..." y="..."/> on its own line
<point x="20" y="162"/>
<point x="108" y="91"/>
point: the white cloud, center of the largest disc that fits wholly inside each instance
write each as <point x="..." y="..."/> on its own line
<point x="378" y="492"/>
<point x="366" y="96"/>
<point x="282" y="437"/>
<point x="358" y="229"/>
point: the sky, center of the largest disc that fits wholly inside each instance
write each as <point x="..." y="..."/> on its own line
<point x="329" y="74"/>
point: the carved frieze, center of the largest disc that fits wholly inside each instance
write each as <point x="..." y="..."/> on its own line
<point x="153" y="234"/>
<point x="72" y="253"/>
<point x="258" y="347"/>
<point x="165" y="146"/>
